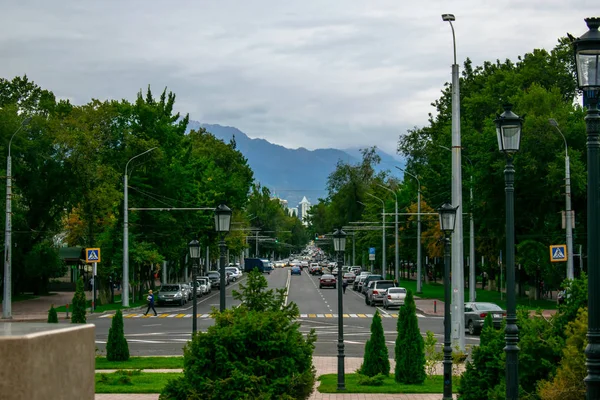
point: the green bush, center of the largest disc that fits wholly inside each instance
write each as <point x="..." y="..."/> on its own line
<point x="410" y="348"/>
<point x="79" y="300"/>
<point x="376" y="359"/>
<point x="117" y="348"/>
<point x="365" y="380"/>
<point x="52" y="315"/>
<point x="433" y="356"/>
<point x="254" y="351"/>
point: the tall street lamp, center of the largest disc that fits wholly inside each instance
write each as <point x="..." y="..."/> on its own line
<point x="194" y="248"/>
<point x="458" y="294"/>
<point x="508" y="130"/>
<point x="447" y="215"/>
<point x="222" y="225"/>
<point x="339" y="245"/>
<point x="383" y="261"/>
<point x="7" y="292"/>
<point x="568" y="212"/>
<point x="396" y="259"/>
<point x="419" y="288"/>
<point x="125" y="281"/>
<point x="587" y="58"/>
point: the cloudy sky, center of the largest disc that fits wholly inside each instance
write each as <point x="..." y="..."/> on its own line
<point x="309" y="73"/>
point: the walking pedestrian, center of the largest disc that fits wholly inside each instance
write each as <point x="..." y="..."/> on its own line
<point x="150" y="300"/>
<point x="344" y="285"/>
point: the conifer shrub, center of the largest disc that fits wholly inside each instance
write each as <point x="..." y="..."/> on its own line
<point x="117" y="348"/>
<point x="376" y="359"/>
<point x="79" y="301"/>
<point x="410" y="347"/>
<point x="52" y="315"/>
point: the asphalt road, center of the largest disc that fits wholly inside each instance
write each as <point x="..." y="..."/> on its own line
<point x="168" y="333"/>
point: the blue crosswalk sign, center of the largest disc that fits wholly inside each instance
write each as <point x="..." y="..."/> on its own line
<point x="558" y="253"/>
<point x="92" y="255"/>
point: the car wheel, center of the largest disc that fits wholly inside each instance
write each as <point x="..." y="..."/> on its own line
<point x="471" y="328"/>
<point x="334" y="286"/>
<point x="366" y="300"/>
<point x="320" y="286"/>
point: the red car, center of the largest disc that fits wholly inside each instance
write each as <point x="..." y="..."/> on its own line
<point x="327" y="280"/>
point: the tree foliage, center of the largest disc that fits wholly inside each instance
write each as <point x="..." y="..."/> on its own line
<point x="79" y="304"/>
<point x="410" y="347"/>
<point x="254" y="351"/>
<point x="376" y="359"/>
<point x="117" y="348"/>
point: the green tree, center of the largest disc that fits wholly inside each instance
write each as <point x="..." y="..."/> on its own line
<point x="254" y="351"/>
<point x="117" y="348"/>
<point x="52" y="315"/>
<point x="376" y="359"/>
<point x="410" y="347"/>
<point x="79" y="304"/>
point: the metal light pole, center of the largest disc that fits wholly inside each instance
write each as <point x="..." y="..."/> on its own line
<point x="587" y="58"/>
<point x="447" y="215"/>
<point x="508" y="130"/>
<point x="458" y="293"/>
<point x="419" y="287"/>
<point x="194" y="248"/>
<point x="7" y="292"/>
<point x="339" y="245"/>
<point x="222" y="225"/>
<point x="396" y="259"/>
<point x="568" y="212"/>
<point x="125" y="280"/>
<point x="383" y="261"/>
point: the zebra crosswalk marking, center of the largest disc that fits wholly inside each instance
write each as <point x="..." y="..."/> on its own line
<point x="177" y="315"/>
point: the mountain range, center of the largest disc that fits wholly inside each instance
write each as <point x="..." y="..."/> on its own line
<point x="291" y="174"/>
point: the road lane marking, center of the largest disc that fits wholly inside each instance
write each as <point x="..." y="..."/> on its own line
<point x="304" y="316"/>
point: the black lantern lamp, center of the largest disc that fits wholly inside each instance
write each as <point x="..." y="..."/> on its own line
<point x="222" y="225"/>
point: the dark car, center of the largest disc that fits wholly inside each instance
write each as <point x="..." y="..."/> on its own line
<point x="327" y="280"/>
<point x="296" y="271"/>
<point x="475" y="314"/>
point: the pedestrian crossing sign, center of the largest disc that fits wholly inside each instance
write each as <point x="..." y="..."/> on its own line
<point x="92" y="255"/>
<point x="558" y="253"/>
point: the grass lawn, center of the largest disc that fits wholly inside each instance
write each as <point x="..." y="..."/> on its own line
<point x="117" y="305"/>
<point x="141" y="363"/>
<point x="431" y="385"/>
<point x="436" y="291"/>
<point x="133" y="382"/>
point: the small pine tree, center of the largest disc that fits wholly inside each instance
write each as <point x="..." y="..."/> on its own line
<point x="410" y="348"/>
<point x="52" y="316"/>
<point x="376" y="358"/>
<point x="117" y="348"/>
<point x="79" y="301"/>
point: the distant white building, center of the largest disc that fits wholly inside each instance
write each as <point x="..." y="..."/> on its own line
<point x="293" y="211"/>
<point x="303" y="208"/>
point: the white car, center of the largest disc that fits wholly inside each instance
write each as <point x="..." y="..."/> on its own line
<point x="204" y="285"/>
<point x="236" y="273"/>
<point x="394" y="297"/>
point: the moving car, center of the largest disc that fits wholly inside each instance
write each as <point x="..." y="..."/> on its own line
<point x="349" y="277"/>
<point x="296" y="271"/>
<point x="476" y="312"/>
<point x="327" y="280"/>
<point x="263" y="265"/>
<point x="377" y="292"/>
<point x="395" y="296"/>
<point x="235" y="273"/>
<point x="171" y="294"/>
<point x="215" y="278"/>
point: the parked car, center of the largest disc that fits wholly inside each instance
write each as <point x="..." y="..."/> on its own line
<point x="171" y="294"/>
<point x="215" y="278"/>
<point x="235" y="273"/>
<point x="187" y="289"/>
<point x="204" y="284"/>
<point x="476" y="312"/>
<point x="369" y="279"/>
<point x="198" y="290"/>
<point x="296" y="271"/>
<point x="349" y="277"/>
<point x="377" y="292"/>
<point x="395" y="296"/>
<point x="357" y="284"/>
<point x="327" y="280"/>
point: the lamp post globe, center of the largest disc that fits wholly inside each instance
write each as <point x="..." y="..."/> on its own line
<point x="508" y="132"/>
<point x="222" y="225"/>
<point x="194" y="250"/>
<point x="447" y="216"/>
<point x="587" y="58"/>
<point x="339" y="246"/>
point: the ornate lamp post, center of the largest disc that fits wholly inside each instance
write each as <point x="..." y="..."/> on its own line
<point x="508" y="130"/>
<point x="194" y="248"/>
<point x="587" y="58"/>
<point x="339" y="245"/>
<point x="222" y="224"/>
<point x="447" y="215"/>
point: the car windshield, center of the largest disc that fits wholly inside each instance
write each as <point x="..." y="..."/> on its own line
<point x="213" y="274"/>
<point x="202" y="281"/>
<point x="396" y="290"/>
<point x="327" y="277"/>
<point x="349" y="274"/>
<point x="385" y="285"/>
<point x="488" y="307"/>
<point x="232" y="269"/>
<point x="169" y="288"/>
